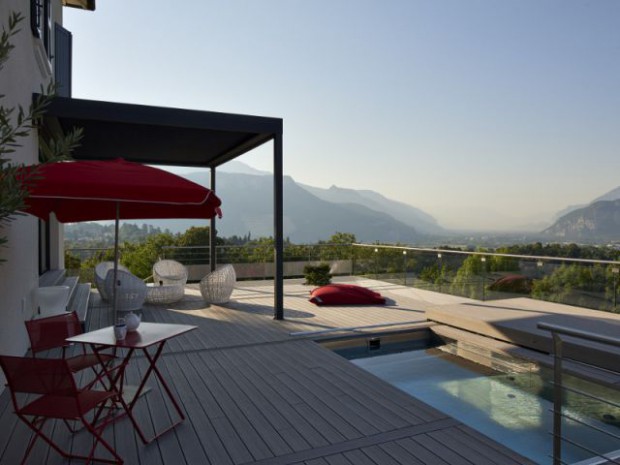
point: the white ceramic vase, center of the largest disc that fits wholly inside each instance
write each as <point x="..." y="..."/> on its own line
<point x="132" y="321"/>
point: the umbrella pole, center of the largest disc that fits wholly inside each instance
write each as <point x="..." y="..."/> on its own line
<point x="116" y="253"/>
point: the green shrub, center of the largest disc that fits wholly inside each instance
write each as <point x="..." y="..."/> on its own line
<point x="317" y="275"/>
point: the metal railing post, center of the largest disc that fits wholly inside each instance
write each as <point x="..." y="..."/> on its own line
<point x="557" y="398"/>
<point x="558" y="388"/>
<point x="616" y="274"/>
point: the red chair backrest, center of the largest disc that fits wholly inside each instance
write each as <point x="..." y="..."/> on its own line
<point x="38" y="376"/>
<point x="51" y="332"/>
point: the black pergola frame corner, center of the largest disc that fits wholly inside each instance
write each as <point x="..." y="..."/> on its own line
<point x="175" y="137"/>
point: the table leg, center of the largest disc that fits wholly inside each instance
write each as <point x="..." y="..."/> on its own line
<point x="152" y="368"/>
<point x="117" y="384"/>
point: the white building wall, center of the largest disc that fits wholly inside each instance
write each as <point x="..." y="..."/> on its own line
<point x="24" y="73"/>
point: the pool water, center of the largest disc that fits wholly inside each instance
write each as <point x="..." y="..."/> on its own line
<point x="513" y="408"/>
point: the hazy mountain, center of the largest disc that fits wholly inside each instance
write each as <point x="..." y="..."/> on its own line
<point x="407" y="214"/>
<point x="248" y="208"/>
<point x="236" y="166"/>
<point x="597" y="222"/>
<point x="566" y="211"/>
<point x="613" y="194"/>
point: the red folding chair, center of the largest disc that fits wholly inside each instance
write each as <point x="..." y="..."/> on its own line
<point x="57" y="398"/>
<point x="52" y="332"/>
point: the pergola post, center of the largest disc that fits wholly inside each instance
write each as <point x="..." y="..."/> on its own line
<point x="212" y="230"/>
<point x="278" y="215"/>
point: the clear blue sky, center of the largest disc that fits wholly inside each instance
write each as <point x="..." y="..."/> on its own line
<point x="484" y="113"/>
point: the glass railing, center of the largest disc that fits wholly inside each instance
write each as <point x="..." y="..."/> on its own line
<point x="598" y="433"/>
<point x="491" y="276"/>
<point x="478" y="275"/>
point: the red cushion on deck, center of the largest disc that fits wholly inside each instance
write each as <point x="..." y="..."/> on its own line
<point x="345" y="294"/>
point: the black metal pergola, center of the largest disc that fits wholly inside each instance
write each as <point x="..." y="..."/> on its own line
<point x="175" y="137"/>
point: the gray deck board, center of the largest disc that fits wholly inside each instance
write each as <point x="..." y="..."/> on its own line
<point x="206" y="434"/>
<point x="442" y="450"/>
<point x="338" y="459"/>
<point x="320" y="461"/>
<point x="358" y="457"/>
<point x="469" y="449"/>
<point x="273" y="399"/>
<point x="254" y="394"/>
<point x="475" y="439"/>
<point x="420" y="452"/>
<point x="243" y="427"/>
<point x="380" y="456"/>
<point x="400" y="454"/>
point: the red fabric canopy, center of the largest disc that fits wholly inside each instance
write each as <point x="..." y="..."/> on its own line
<point x="90" y="190"/>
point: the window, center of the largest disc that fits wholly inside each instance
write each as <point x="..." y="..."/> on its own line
<point x="41" y="22"/>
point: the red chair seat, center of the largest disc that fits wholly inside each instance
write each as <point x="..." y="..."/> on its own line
<point x="63" y="407"/>
<point x="58" y="397"/>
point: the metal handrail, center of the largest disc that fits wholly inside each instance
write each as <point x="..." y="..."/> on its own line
<point x="599" y="292"/>
<point x="545" y="258"/>
<point x="557" y="331"/>
<point x="612" y="341"/>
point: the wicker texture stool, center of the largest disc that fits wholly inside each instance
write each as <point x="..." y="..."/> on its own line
<point x="217" y="286"/>
<point x="164" y="294"/>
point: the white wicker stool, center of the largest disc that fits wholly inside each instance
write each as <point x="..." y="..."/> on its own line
<point x="164" y="293"/>
<point x="217" y="286"/>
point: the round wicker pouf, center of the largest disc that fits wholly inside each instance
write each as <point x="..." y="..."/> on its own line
<point x="164" y="294"/>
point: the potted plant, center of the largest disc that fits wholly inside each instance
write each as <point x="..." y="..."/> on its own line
<point x="317" y="275"/>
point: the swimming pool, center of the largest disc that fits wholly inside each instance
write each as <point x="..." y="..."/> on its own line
<point x="510" y="403"/>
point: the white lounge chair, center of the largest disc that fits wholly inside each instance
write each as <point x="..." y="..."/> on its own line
<point x="131" y="290"/>
<point x="169" y="272"/>
<point x="101" y="271"/>
<point x="217" y="286"/>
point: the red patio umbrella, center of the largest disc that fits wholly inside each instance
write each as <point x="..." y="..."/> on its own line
<point x="111" y="190"/>
<point x="92" y="190"/>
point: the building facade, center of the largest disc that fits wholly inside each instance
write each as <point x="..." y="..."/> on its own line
<point x="41" y="53"/>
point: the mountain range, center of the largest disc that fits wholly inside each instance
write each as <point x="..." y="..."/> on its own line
<point x="312" y="213"/>
<point x="598" y="222"/>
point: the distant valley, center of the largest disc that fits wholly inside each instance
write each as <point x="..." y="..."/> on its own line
<point x="248" y="208"/>
<point x="312" y="214"/>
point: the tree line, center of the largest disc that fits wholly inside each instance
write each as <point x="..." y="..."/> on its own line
<point x="477" y="276"/>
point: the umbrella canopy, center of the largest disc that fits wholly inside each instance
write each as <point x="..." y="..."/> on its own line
<point x="111" y="190"/>
<point x="92" y="190"/>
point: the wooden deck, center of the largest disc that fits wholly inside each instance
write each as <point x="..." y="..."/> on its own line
<point x="257" y="392"/>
